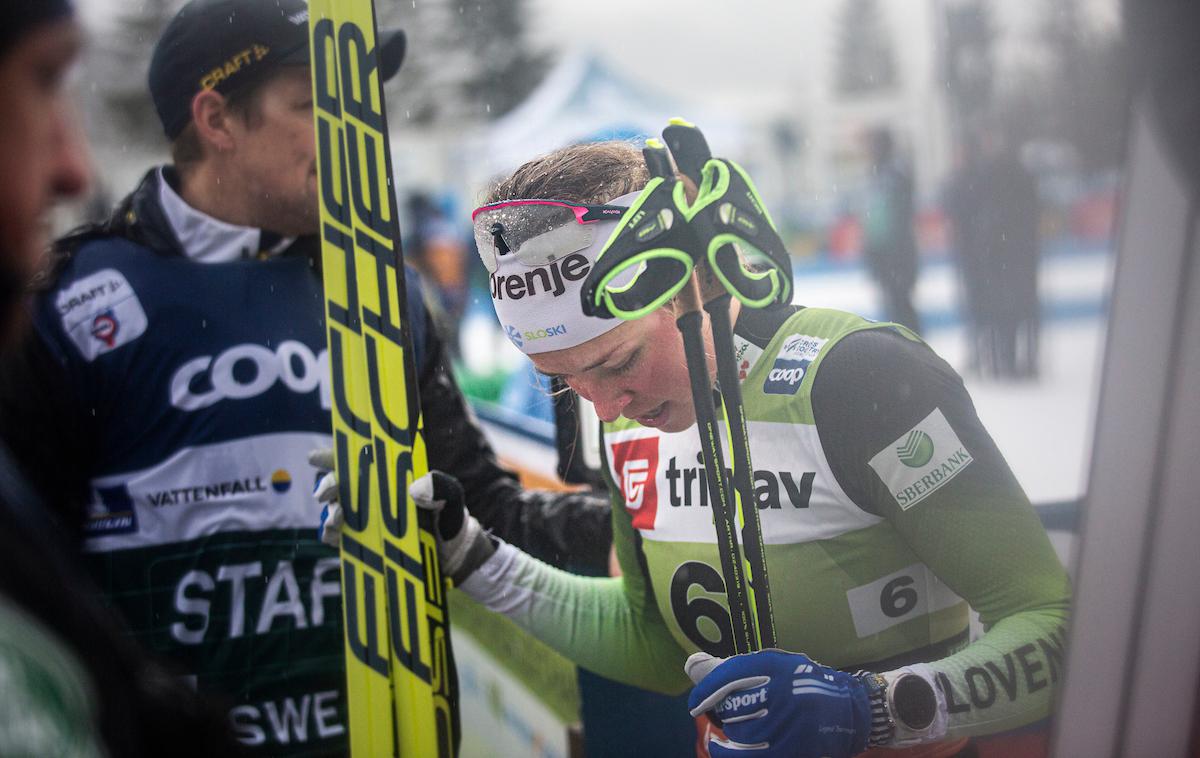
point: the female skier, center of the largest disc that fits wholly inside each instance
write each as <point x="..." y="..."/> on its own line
<point x="886" y="509"/>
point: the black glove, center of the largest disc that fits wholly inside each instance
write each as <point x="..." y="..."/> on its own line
<point x="463" y="546"/>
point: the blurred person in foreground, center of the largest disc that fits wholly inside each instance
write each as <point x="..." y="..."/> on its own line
<point x="178" y="380"/>
<point x="72" y="683"/>
<point x="889" y="242"/>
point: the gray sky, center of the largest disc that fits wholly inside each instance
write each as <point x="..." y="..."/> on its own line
<point x="743" y="53"/>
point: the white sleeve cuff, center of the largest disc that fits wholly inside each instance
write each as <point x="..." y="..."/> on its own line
<point x="494" y="584"/>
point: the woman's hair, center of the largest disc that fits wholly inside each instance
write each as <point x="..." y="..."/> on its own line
<point x="591" y="173"/>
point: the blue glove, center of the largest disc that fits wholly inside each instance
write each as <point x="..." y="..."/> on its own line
<point x="775" y="703"/>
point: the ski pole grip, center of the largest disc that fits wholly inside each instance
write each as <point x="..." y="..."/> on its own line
<point x="688" y="148"/>
<point x="658" y="160"/>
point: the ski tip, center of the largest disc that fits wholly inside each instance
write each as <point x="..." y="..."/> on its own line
<point x="677" y="121"/>
<point x="655" y="143"/>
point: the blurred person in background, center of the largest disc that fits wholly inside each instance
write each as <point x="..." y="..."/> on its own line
<point x="889" y="242"/>
<point x="435" y="249"/>
<point x="73" y="682"/>
<point x="993" y="207"/>
<point x="177" y="380"/>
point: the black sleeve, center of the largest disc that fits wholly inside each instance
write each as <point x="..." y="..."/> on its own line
<point x="876" y="386"/>
<point x="48" y="433"/>
<point x="562" y="528"/>
<point x="905" y="443"/>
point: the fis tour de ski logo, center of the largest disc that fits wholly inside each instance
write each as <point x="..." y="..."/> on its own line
<point x="635" y="468"/>
<point x="922" y="460"/>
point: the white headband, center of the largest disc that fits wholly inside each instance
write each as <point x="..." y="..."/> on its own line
<point x="539" y="306"/>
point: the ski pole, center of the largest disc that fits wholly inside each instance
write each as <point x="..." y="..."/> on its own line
<point x="691" y="153"/>
<point x="650" y="259"/>
<point x="690" y="327"/>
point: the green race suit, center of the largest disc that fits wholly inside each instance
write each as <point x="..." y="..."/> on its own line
<point x="886" y="511"/>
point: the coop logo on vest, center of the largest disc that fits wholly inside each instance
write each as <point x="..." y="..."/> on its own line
<point x="636" y="465"/>
<point x="791" y="364"/>
<point x="248" y="370"/>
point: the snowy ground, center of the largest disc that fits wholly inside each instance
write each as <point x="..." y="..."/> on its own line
<point x="1045" y="428"/>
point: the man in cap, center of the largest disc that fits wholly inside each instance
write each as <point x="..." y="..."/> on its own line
<point x="73" y="682"/>
<point x="178" y="380"/>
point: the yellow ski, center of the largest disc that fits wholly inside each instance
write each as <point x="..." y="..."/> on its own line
<point x="399" y="668"/>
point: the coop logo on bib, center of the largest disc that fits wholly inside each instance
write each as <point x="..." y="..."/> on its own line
<point x="100" y="313"/>
<point x="922" y="460"/>
<point x="791" y="364"/>
<point x="248" y="370"/>
<point x="636" y="465"/>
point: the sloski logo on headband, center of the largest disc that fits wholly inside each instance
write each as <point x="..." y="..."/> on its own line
<point x="519" y="338"/>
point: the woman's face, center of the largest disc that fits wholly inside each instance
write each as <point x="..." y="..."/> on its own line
<point x="636" y="370"/>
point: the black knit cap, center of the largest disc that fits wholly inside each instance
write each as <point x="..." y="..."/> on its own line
<point x="224" y="45"/>
<point x="19" y="16"/>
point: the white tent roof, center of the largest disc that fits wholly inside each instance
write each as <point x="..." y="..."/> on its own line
<point x="584" y="100"/>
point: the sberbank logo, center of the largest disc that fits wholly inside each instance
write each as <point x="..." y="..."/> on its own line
<point x="916" y="450"/>
<point x="922" y="460"/>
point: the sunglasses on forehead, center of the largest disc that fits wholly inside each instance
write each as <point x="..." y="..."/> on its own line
<point x="537" y="232"/>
